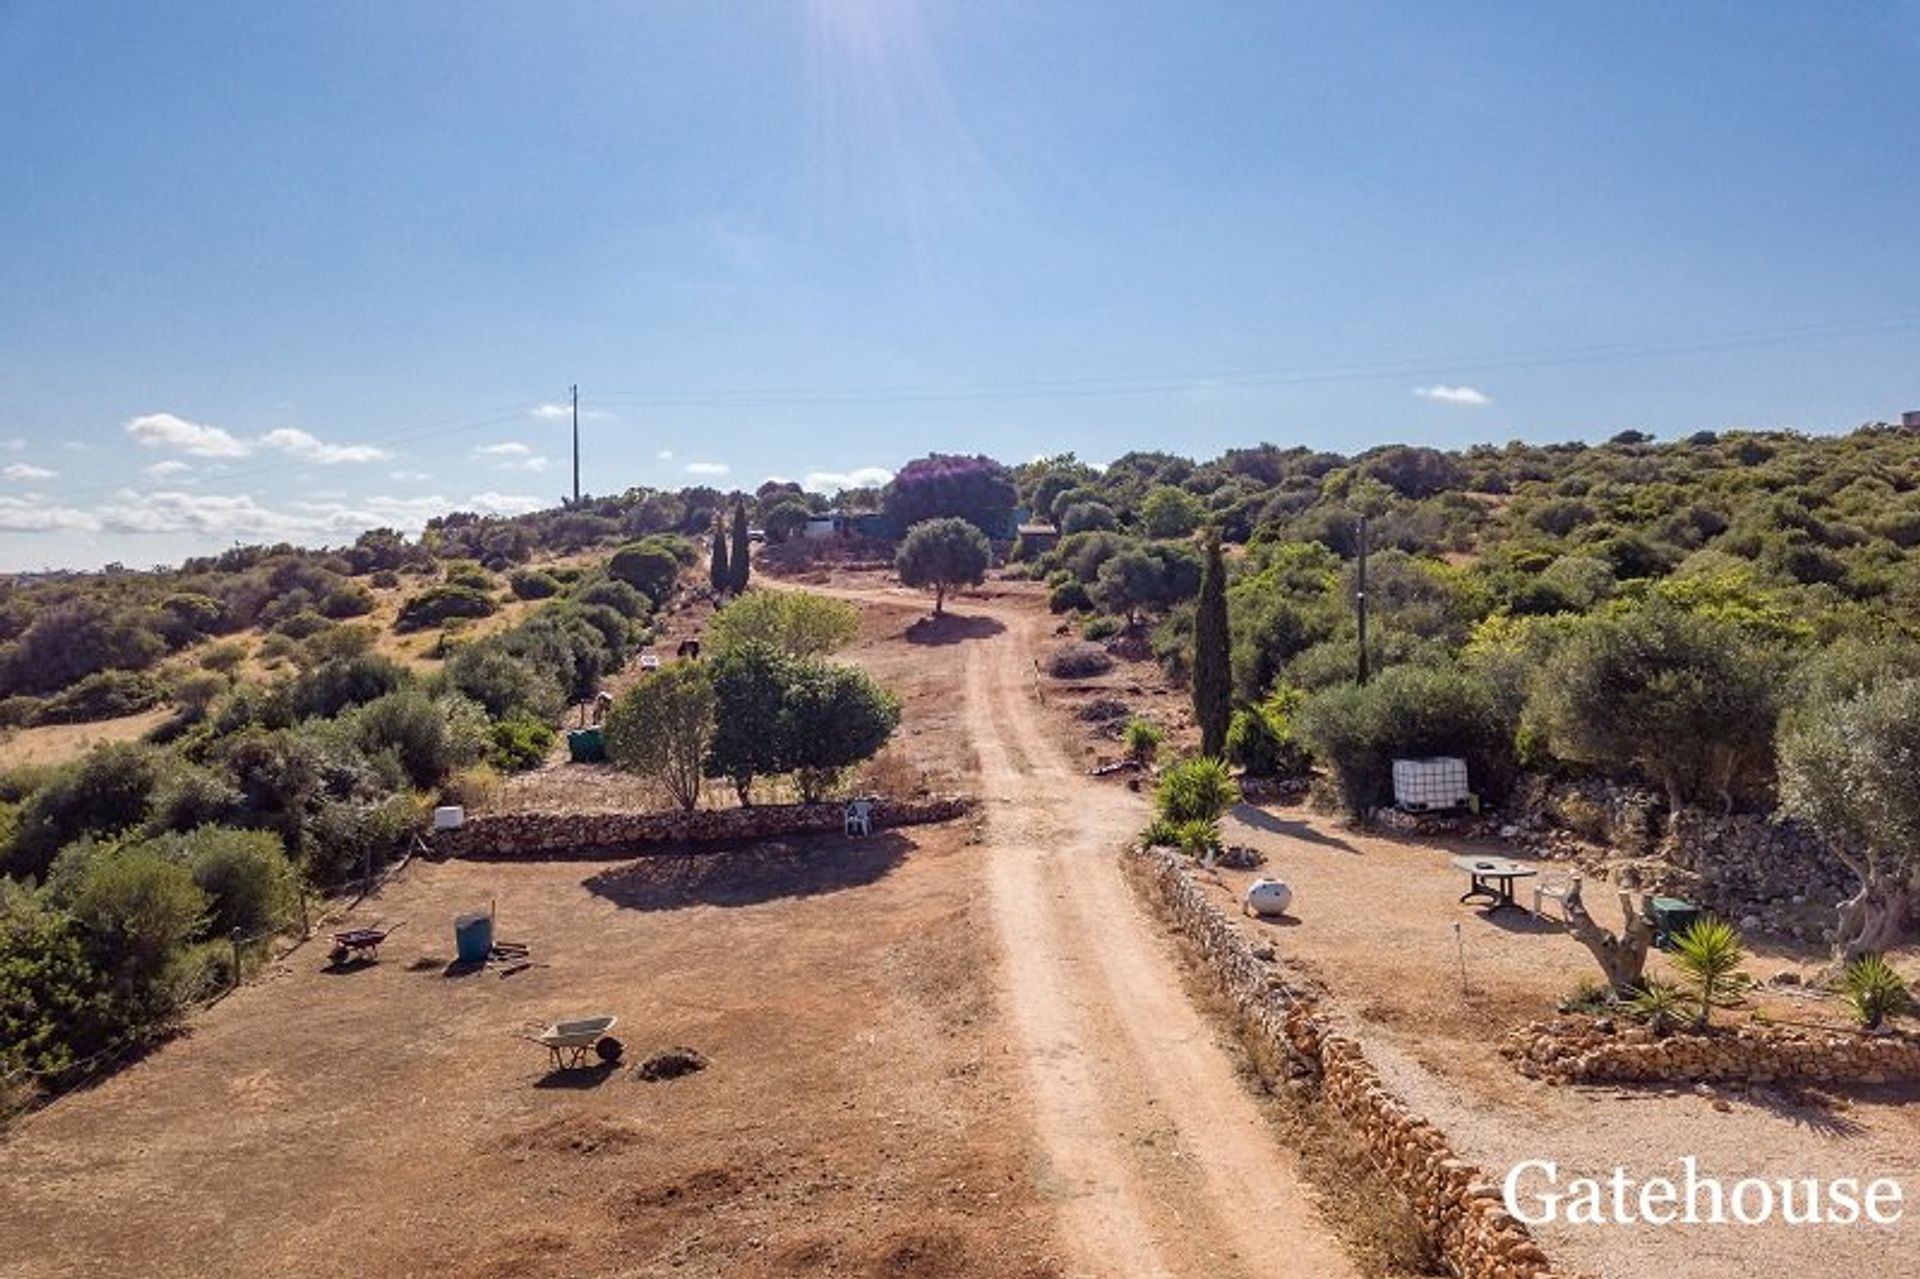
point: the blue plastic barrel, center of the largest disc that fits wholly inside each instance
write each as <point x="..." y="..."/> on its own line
<point x="473" y="937"/>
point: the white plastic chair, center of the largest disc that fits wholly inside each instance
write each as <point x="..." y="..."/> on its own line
<point x="1556" y="885"/>
<point x="860" y="817"/>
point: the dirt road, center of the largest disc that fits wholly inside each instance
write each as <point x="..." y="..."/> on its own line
<point x="1160" y="1162"/>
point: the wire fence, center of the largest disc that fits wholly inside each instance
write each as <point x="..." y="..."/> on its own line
<point x="95" y="1066"/>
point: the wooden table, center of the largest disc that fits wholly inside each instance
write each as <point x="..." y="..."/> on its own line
<point x="1492" y="878"/>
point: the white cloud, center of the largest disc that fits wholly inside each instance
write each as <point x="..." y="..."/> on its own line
<point x="165" y="431"/>
<point x="168" y="431"/>
<point x="1453" y="394"/>
<point x="221" y="518"/>
<point x="26" y="471"/>
<point x="172" y="466"/>
<point x="834" y="481"/>
<point x="309" y="448"/>
<point x="13" y="445"/>
<point x="708" y="468"/>
<point x="665" y="455"/>
<point x="408" y="477"/>
<point x="506" y="448"/>
<point x="564" y="413"/>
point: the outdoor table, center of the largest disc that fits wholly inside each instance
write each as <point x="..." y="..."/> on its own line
<point x="1492" y="878"/>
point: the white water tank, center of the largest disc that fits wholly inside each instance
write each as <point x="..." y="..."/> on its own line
<point x="1429" y="785"/>
<point x="1269" y="897"/>
<point x="449" y="817"/>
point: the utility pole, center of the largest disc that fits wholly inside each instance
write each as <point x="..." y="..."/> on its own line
<point x="1360" y="599"/>
<point x="576" y="444"/>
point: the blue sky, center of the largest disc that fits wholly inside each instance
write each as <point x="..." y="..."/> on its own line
<point x="288" y="270"/>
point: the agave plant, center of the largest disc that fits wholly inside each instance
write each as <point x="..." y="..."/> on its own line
<point x="1709" y="955"/>
<point x="1875" y="991"/>
<point x="1660" y="1004"/>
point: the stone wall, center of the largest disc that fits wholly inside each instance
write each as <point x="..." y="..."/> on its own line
<point x="590" y="834"/>
<point x="1588" y="1051"/>
<point x="1771" y="876"/>
<point x="1457" y="1205"/>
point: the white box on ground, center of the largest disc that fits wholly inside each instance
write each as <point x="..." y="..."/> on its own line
<point x="449" y="817"/>
<point x="1427" y="785"/>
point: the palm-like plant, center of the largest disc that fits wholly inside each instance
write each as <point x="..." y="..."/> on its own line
<point x="1709" y="955"/>
<point x="1875" y="991"/>
<point x="1659" y="1004"/>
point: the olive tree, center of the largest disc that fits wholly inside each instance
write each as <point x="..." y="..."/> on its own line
<point x="797" y="623"/>
<point x="1684" y="699"/>
<point x="943" y="555"/>
<point x="1848" y="769"/>
<point x="661" y="729"/>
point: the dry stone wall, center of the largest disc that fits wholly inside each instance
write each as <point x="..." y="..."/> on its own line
<point x="590" y="834"/>
<point x="1458" y="1206"/>
<point x="1580" y="1050"/>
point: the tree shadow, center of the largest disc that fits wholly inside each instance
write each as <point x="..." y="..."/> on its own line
<point x="578" y="1077"/>
<point x="748" y="876"/>
<point x="952" y="628"/>
<point x="1260" y="819"/>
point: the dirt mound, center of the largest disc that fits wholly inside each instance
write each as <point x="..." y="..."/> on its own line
<point x="707" y="1186"/>
<point x="671" y="1064"/>
<point x="578" y="1133"/>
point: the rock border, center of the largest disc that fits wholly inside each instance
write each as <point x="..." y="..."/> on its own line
<point x="1457" y="1206"/>
<point x="1573" y="1050"/>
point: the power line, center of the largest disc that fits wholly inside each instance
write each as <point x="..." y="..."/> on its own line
<point x="1102" y="386"/>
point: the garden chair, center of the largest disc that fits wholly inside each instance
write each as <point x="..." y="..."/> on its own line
<point x="1555" y="885"/>
<point x="860" y="817"/>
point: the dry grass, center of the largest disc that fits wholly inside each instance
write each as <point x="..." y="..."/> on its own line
<point x="58" y="743"/>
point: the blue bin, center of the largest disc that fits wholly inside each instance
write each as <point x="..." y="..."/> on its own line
<point x="473" y="937"/>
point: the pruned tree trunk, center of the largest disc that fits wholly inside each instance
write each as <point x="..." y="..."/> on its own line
<point x="1872" y="919"/>
<point x="1623" y="956"/>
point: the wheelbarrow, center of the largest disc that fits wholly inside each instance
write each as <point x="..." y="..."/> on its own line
<point x="362" y="944"/>
<point x="569" y="1042"/>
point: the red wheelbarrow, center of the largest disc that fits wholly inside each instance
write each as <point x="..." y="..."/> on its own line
<point x="360" y="945"/>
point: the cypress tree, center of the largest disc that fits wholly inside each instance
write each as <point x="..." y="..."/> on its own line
<point x="719" y="575"/>
<point x="740" y="565"/>
<point x="1212" y="654"/>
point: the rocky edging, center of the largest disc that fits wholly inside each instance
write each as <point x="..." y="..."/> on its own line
<point x="1456" y="1204"/>
<point x="1589" y="1051"/>
<point x="622" y="834"/>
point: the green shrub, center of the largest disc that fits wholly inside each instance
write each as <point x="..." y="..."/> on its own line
<point x="520" y="742"/>
<point x="439" y="604"/>
<point x="1197" y="789"/>
<point x="138" y="909"/>
<point x="189" y="796"/>
<point x="1100" y="628"/>
<point x="649" y="567"/>
<point x="245" y="875"/>
<point x="21" y="710"/>
<point x="532" y="584"/>
<point x="106" y="791"/>
<point x="103" y="695"/>
<point x="1069" y="597"/>
<point x="224" y="657"/>
<point x="1079" y="661"/>
<point x="1874" y="991"/>
<point x="430" y="737"/>
<point x="470" y="575"/>
<point x="331" y="687"/>
<point x="55" y="1009"/>
<point x="302" y="625"/>
<point x="1262" y="740"/>
<point x="616" y="595"/>
<point x="340" y="837"/>
<point x="1405" y="712"/>
<point x="1144" y="738"/>
<point x="797" y="623"/>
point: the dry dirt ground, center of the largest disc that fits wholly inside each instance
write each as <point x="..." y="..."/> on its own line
<point x="58" y="743"/>
<point x="1374" y="923"/>
<point x="930" y="1057"/>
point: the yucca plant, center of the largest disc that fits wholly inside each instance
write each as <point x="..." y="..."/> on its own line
<point x="1875" y="991"/>
<point x="1709" y="955"/>
<point x="1198" y="788"/>
<point x="1660" y="1005"/>
<point x="1200" y="838"/>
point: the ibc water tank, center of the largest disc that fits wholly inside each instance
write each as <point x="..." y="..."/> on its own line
<point x="473" y="937"/>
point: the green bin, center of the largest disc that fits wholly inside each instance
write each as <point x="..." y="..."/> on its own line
<point x="587" y="745"/>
